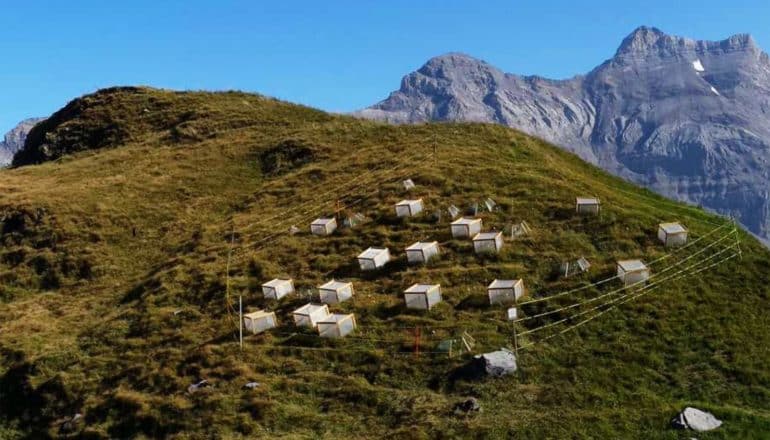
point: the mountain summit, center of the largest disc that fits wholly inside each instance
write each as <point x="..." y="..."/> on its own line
<point x="684" y="117"/>
<point x="652" y="42"/>
<point x="642" y="40"/>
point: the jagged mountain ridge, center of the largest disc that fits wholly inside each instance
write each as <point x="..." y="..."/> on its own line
<point x="686" y="118"/>
<point x="13" y="141"/>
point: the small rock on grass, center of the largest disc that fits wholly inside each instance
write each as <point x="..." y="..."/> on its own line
<point x="467" y="406"/>
<point x="197" y="386"/>
<point x="70" y="425"/>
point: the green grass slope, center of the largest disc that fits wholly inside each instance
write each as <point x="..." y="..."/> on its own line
<point x="114" y="262"/>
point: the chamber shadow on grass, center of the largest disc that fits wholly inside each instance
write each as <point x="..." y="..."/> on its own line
<point x="474" y="301"/>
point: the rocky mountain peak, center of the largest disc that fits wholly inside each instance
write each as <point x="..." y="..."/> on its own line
<point x="649" y="42"/>
<point x="642" y="39"/>
<point x="13" y="141"/>
<point x="742" y="42"/>
<point x="458" y="67"/>
<point x="453" y="60"/>
<point x="646" y="42"/>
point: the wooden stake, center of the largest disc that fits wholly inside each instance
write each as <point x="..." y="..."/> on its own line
<point x="435" y="152"/>
<point x="417" y="342"/>
<point x="338" y="208"/>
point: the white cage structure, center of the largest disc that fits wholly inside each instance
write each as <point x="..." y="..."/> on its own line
<point x="505" y="291"/>
<point x="422" y="252"/>
<point x="373" y="258"/>
<point x="632" y="272"/>
<point x="310" y="314"/>
<point x="335" y="292"/>
<point x="323" y="226"/>
<point x="278" y="288"/>
<point x="422" y="296"/>
<point x="569" y="268"/>
<point x="336" y="325"/>
<point x="672" y="234"/>
<point x="587" y="205"/>
<point x="409" y="208"/>
<point x="465" y="227"/>
<point x="259" y="321"/>
<point x="488" y="242"/>
<point x="520" y="229"/>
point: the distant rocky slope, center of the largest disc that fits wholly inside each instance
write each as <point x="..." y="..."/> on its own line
<point x="686" y="118"/>
<point x="14" y="140"/>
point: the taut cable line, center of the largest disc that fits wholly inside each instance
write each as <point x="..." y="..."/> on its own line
<point x="630" y="286"/>
<point x="617" y="302"/>
<point x="647" y="287"/>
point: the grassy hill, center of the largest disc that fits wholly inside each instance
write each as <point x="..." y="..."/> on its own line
<point x="114" y="262"/>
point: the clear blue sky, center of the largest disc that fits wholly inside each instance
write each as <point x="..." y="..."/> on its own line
<point x="337" y="56"/>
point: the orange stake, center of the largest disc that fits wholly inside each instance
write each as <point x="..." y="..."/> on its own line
<point x="417" y="341"/>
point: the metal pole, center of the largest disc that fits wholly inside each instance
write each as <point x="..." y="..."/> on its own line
<point x="737" y="239"/>
<point x="229" y="305"/>
<point x="240" y="320"/>
<point x="515" y="335"/>
<point x="515" y="341"/>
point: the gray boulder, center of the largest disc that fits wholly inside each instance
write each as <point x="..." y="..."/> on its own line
<point x="497" y="363"/>
<point x="695" y="419"/>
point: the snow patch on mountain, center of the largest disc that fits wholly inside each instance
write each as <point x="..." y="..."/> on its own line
<point x="698" y="66"/>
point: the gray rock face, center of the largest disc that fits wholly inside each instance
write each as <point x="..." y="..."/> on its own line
<point x="689" y="119"/>
<point x="14" y="140"/>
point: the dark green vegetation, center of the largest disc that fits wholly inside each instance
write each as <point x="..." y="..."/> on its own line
<point x="113" y="267"/>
